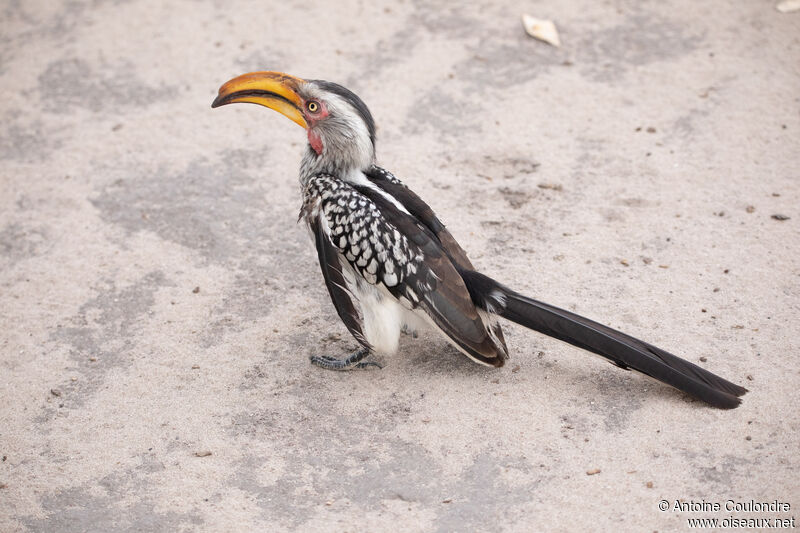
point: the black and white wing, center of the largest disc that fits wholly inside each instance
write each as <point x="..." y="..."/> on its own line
<point x="426" y="218"/>
<point x="417" y="207"/>
<point x="331" y="265"/>
<point x="387" y="247"/>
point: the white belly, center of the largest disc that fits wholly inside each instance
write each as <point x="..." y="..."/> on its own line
<point x="384" y="316"/>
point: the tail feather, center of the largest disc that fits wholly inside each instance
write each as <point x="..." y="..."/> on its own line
<point x="623" y="350"/>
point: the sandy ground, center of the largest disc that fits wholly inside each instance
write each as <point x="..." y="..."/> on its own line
<point x="158" y="302"/>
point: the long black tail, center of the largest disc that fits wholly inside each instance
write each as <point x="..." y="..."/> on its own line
<point x="623" y="350"/>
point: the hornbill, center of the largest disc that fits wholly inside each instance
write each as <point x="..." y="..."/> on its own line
<point x="391" y="265"/>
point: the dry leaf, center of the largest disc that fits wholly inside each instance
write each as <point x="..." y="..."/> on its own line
<point x="788" y="6"/>
<point x="544" y="30"/>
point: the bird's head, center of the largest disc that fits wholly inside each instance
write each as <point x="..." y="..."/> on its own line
<point x="341" y="132"/>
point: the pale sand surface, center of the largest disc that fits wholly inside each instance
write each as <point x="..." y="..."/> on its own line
<point x="630" y="175"/>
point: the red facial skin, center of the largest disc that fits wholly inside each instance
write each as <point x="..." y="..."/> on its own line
<point x="313" y="118"/>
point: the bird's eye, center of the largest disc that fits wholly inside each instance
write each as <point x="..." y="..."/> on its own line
<point x="313" y="107"/>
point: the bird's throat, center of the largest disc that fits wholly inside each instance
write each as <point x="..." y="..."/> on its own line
<point x="315" y="141"/>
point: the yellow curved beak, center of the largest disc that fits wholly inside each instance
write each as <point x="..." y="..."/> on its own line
<point x="275" y="90"/>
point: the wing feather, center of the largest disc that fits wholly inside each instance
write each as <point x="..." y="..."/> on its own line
<point x="329" y="262"/>
<point x="426" y="218"/>
<point x="431" y="281"/>
<point x="422" y="212"/>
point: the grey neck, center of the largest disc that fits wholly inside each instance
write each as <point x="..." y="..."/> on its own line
<point x="342" y="166"/>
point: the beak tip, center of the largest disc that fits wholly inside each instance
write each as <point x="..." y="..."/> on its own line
<point x="275" y="90"/>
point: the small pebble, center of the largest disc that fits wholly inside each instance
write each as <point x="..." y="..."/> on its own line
<point x="196" y="290"/>
<point x="649" y="484"/>
<point x="703" y="359"/>
<point x="592" y="471"/>
<point x="55" y="392"/>
<point x="780" y="217"/>
<point x="204" y="453"/>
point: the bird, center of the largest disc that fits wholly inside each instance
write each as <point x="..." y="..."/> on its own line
<point x="391" y="266"/>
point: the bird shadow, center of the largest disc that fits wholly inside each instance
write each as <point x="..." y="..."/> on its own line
<point x="608" y="388"/>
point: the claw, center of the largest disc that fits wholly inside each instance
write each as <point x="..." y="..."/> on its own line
<point x="349" y="363"/>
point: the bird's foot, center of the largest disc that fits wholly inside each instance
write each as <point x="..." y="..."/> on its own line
<point x="355" y="360"/>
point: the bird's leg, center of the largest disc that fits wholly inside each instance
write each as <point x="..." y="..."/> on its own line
<point x="353" y="361"/>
